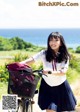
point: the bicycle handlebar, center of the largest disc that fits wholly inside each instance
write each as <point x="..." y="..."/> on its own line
<point x="40" y="72"/>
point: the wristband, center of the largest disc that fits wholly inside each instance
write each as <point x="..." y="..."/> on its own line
<point x="49" y="72"/>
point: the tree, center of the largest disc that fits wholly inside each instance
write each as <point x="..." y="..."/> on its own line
<point x="78" y="49"/>
<point x="14" y="44"/>
<point x="71" y="50"/>
<point x="5" y="44"/>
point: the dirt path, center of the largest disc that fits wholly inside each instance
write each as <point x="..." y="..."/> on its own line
<point x="76" y="89"/>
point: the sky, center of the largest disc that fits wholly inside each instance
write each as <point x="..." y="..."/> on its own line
<point x="28" y="14"/>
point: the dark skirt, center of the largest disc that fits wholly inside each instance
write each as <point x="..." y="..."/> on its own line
<point x="58" y="98"/>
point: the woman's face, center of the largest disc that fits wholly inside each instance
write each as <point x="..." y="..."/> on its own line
<point x="55" y="43"/>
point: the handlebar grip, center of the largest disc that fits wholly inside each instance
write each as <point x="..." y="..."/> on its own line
<point x="40" y="72"/>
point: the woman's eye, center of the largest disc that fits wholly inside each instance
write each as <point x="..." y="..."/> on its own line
<point x="56" y="40"/>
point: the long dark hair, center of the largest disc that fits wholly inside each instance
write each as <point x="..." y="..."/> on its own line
<point x="62" y="54"/>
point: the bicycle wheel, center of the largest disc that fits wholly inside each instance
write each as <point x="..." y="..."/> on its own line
<point x="29" y="106"/>
<point x="20" y="106"/>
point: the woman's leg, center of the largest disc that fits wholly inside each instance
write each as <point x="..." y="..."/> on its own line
<point x="50" y="110"/>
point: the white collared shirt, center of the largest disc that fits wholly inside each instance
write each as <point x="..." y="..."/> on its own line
<point x="52" y="80"/>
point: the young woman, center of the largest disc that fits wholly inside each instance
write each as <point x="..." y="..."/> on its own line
<point x="55" y="94"/>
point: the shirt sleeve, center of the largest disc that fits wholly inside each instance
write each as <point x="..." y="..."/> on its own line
<point x="64" y="66"/>
<point x="38" y="56"/>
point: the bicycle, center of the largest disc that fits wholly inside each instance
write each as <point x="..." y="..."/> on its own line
<point x="26" y="103"/>
<point x="24" y="87"/>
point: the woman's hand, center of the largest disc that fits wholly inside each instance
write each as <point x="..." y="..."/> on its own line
<point x="45" y="72"/>
<point x="58" y="73"/>
<point x="22" y="62"/>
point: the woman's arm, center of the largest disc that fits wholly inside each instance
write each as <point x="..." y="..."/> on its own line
<point x="60" y="72"/>
<point x="34" y="58"/>
<point x="28" y="61"/>
<point x="57" y="73"/>
<point x="63" y="69"/>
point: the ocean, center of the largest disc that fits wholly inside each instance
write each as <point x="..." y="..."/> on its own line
<point x="39" y="36"/>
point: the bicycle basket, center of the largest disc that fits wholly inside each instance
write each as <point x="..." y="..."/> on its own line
<point x="22" y="82"/>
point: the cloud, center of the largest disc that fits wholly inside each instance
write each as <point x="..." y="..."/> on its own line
<point x="27" y="14"/>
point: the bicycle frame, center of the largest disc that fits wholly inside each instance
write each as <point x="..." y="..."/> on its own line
<point x="25" y="105"/>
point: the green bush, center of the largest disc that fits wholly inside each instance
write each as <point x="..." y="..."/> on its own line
<point x="72" y="75"/>
<point x="74" y="62"/>
<point x="19" y="57"/>
<point x="35" y="49"/>
<point x="3" y="74"/>
<point x="78" y="49"/>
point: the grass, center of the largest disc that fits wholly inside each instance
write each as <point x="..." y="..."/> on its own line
<point x="3" y="88"/>
<point x="76" y="90"/>
<point x="77" y="55"/>
<point x="13" y="52"/>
